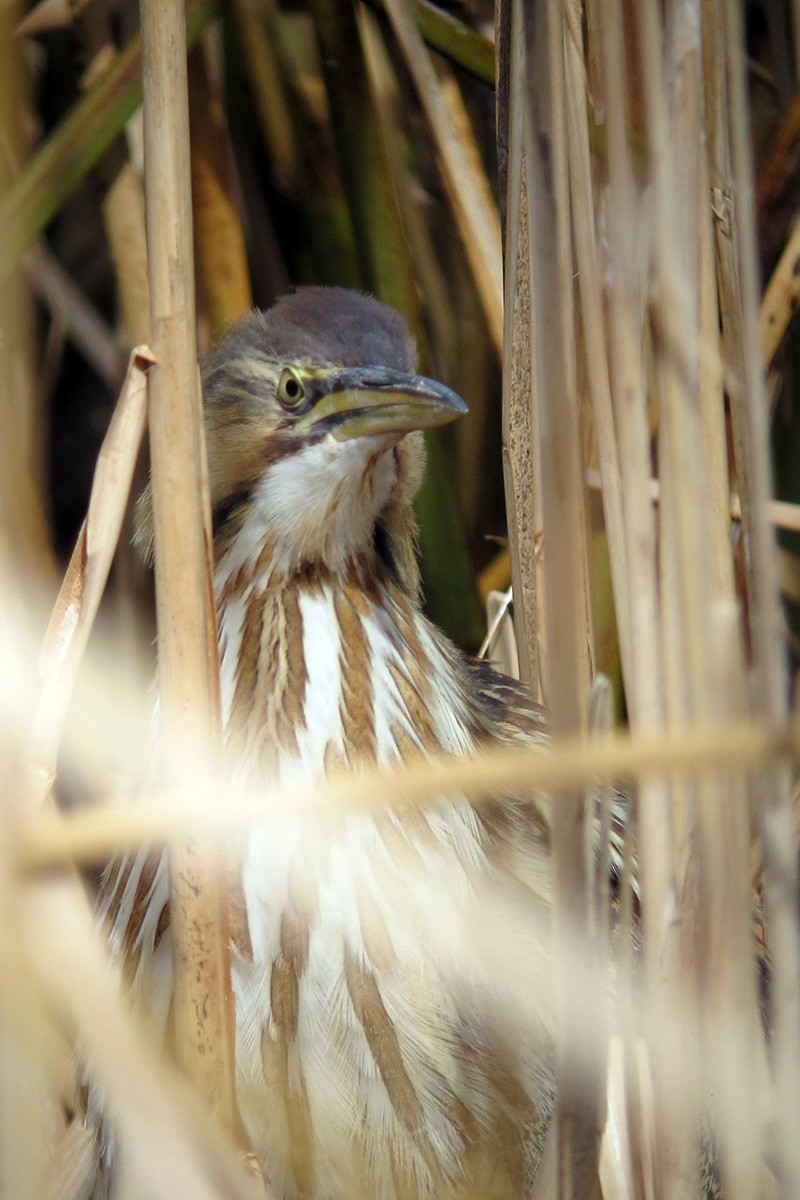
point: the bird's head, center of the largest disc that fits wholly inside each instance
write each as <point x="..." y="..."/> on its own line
<point x="313" y="413"/>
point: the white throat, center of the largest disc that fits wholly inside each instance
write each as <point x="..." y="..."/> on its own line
<point x="321" y="504"/>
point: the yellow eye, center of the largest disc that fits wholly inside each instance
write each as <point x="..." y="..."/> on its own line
<point x="291" y="392"/>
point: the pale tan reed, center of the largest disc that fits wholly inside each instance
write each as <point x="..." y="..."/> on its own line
<point x="555" y="407"/>
<point x="522" y="483"/>
<point x="664" y="258"/>
<point x="188" y="669"/>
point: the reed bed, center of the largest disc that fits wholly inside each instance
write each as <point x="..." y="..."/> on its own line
<point x="601" y="247"/>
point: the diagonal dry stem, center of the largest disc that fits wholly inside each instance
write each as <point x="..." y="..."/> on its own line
<point x="85" y="580"/>
<point x="476" y="215"/>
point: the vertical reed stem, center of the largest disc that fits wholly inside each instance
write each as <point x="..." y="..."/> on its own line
<point x="596" y="351"/>
<point x="556" y="396"/>
<point x="188" y="671"/>
<point x="520" y="427"/>
<point x="769" y="696"/>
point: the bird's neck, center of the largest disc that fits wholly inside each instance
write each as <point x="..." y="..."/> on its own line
<point x="316" y="508"/>
<point x="323" y="669"/>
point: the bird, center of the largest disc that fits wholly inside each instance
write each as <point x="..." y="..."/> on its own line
<point x="373" y="1057"/>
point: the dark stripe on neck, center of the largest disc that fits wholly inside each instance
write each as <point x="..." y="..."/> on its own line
<point x="383" y="549"/>
<point x="227" y="511"/>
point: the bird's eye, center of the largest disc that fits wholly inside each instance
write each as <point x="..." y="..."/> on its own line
<point x="290" y="390"/>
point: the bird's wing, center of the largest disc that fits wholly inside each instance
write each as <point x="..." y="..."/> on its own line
<point x="515" y="718"/>
<point x="509" y="710"/>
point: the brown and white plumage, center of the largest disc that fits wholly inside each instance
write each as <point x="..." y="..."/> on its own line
<point x="372" y="1058"/>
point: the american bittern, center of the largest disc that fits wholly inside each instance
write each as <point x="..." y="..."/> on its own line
<point x="372" y="1061"/>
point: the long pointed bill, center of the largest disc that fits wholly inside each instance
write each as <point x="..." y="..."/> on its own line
<point x="362" y="401"/>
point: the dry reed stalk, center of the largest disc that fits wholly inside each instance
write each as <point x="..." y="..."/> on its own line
<point x="697" y="693"/>
<point x="469" y="192"/>
<point x="123" y="217"/>
<point x="50" y="14"/>
<point x="171" y="1147"/>
<point x="566" y="764"/>
<point x="188" y="669"/>
<point x="715" y="88"/>
<point x="473" y="369"/>
<point x="70" y="307"/>
<point x="644" y="687"/>
<point x="475" y="378"/>
<point x="123" y="211"/>
<point x="554" y="400"/>
<point x="749" y="407"/>
<point x="729" y="1007"/>
<point x="87" y="574"/>
<point x="676" y="314"/>
<point x="594" y="56"/>
<point x="496" y="575"/>
<point x="769" y="696"/>
<point x="265" y="74"/>
<point x="731" y="1017"/>
<point x="388" y="107"/>
<point x="777" y="173"/>
<point x="554" y="380"/>
<point x="618" y="1175"/>
<point x="595" y="346"/>
<point x="69" y="1161"/>
<point x="715" y="483"/>
<point x="676" y="308"/>
<point x="781" y="297"/>
<point x="628" y="233"/>
<point x="71" y="1158"/>
<point x="782" y="514"/>
<point x="372" y="196"/>
<point x="225" y="278"/>
<point x="31" y="1055"/>
<point x="27" y="1094"/>
<point x="520" y="452"/>
<point x="778" y="188"/>
<point x="24" y="536"/>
